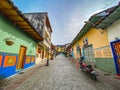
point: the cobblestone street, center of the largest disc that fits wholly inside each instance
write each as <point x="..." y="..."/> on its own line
<point x="60" y="45"/>
<point x="62" y="74"/>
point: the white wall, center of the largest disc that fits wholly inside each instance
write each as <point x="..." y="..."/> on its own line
<point x="114" y="31"/>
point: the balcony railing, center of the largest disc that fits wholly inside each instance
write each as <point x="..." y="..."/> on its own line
<point x="47" y="41"/>
<point x="48" y="31"/>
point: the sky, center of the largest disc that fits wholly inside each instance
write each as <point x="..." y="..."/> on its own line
<point x="66" y="16"/>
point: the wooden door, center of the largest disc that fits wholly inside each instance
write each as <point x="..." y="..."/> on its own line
<point x="21" y="58"/>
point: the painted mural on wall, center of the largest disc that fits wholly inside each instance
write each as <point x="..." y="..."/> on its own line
<point x="27" y="59"/>
<point x="103" y="52"/>
<point x="116" y="52"/>
<point x="8" y="63"/>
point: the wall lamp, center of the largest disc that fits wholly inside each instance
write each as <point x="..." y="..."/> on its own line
<point x="101" y="30"/>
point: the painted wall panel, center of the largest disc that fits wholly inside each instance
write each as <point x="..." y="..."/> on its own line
<point x="1" y="60"/>
<point x="27" y="59"/>
<point x="32" y="59"/>
<point x="9" y="61"/>
<point x="106" y="64"/>
<point x="9" y="69"/>
<point x="103" y="52"/>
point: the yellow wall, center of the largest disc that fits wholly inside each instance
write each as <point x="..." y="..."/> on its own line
<point x="75" y="51"/>
<point x="95" y="37"/>
<point x="60" y="49"/>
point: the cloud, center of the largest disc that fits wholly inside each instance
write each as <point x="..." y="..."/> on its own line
<point x="77" y="18"/>
<point x="71" y="28"/>
<point x="66" y="16"/>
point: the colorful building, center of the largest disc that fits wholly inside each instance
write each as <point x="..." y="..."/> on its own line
<point x="60" y="48"/>
<point x="18" y="40"/>
<point x="67" y="49"/>
<point x="112" y="25"/>
<point x="42" y="25"/>
<point x="93" y="40"/>
<point x="53" y="52"/>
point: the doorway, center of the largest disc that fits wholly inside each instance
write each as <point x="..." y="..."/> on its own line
<point x="21" y="58"/>
<point x="89" y="54"/>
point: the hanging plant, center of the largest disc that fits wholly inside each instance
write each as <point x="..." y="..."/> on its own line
<point x="9" y="41"/>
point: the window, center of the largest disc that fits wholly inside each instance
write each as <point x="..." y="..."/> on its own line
<point x="78" y="49"/>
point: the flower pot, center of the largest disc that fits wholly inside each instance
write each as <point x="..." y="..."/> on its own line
<point x="9" y="43"/>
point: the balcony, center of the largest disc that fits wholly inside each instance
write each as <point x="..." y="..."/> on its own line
<point x="48" y="31"/>
<point x="47" y="43"/>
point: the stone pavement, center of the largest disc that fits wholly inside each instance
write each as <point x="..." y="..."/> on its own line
<point x="17" y="79"/>
<point x="62" y="74"/>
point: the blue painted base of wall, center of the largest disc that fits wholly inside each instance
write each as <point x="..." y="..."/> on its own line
<point x="28" y="65"/>
<point x="8" y="71"/>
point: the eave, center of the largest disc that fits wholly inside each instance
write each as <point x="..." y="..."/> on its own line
<point x="8" y="9"/>
<point x="110" y="19"/>
<point x="48" y="23"/>
<point x="100" y="21"/>
<point x="94" y="19"/>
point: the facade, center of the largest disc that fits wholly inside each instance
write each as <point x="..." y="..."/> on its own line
<point x="42" y="25"/>
<point x="113" y="34"/>
<point x="60" y="48"/>
<point x="96" y="52"/>
<point x="53" y="52"/>
<point x="18" y="40"/>
<point x="96" y="38"/>
<point x="67" y="49"/>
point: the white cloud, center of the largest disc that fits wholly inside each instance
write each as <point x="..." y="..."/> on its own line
<point x="70" y="29"/>
<point x="67" y="21"/>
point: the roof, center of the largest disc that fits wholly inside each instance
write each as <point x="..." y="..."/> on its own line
<point x="96" y="21"/>
<point x="8" y="9"/>
<point x="112" y="17"/>
<point x="40" y="16"/>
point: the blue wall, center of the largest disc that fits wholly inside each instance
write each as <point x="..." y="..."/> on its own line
<point x="11" y="70"/>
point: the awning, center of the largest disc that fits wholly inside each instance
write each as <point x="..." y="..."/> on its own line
<point x="8" y="9"/>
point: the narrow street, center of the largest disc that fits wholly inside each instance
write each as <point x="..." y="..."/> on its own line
<point x="43" y="42"/>
<point x="62" y="74"/>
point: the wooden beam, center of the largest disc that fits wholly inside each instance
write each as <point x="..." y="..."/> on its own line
<point x="5" y="9"/>
<point x="12" y="15"/>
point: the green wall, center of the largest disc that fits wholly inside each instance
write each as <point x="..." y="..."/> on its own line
<point x="9" y="29"/>
<point x="106" y="64"/>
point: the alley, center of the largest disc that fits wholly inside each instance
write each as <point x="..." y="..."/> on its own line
<point x="62" y="74"/>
